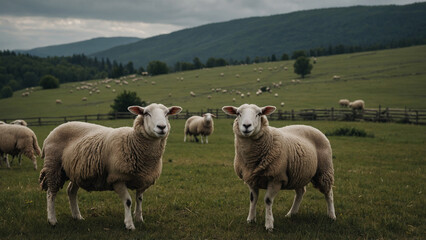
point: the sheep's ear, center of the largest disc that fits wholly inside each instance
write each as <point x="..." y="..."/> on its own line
<point x="213" y="115"/>
<point x="174" y="110"/>
<point x="136" y="110"/>
<point x="230" y="110"/>
<point x="268" y="110"/>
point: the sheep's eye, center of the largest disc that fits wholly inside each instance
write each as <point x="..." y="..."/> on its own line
<point x="259" y="114"/>
<point x="146" y="114"/>
<point x="238" y="114"/>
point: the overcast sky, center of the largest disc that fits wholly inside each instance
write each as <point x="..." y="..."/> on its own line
<point x="26" y="24"/>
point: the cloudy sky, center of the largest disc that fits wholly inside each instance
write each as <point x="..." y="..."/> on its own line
<point x="26" y="24"/>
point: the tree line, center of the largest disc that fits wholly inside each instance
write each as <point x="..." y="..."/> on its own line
<point x="18" y="71"/>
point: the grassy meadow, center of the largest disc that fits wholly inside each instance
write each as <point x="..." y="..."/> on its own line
<point x="379" y="181"/>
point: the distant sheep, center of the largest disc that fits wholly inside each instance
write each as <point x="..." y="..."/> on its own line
<point x="16" y="139"/>
<point x="58" y="101"/>
<point x="84" y="99"/>
<point x="192" y="94"/>
<point x="197" y="125"/>
<point x="344" y="102"/>
<point x="357" y="105"/>
<point x="279" y="158"/>
<point x="98" y="158"/>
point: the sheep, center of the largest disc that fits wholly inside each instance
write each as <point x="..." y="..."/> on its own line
<point x="279" y="158"/>
<point x="357" y="105"/>
<point x="84" y="99"/>
<point x="22" y="123"/>
<point x="197" y="125"/>
<point x="98" y="158"/>
<point x="344" y="102"/>
<point x="16" y="139"/>
<point x="192" y="94"/>
<point x="336" y="77"/>
<point x="58" y="101"/>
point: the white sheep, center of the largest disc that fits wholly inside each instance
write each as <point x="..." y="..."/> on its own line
<point x="58" y="101"/>
<point x="357" y="105"/>
<point x="197" y="125"/>
<point x="98" y="158"/>
<point x="22" y="123"/>
<point x="344" y="102"/>
<point x="16" y="139"/>
<point x="279" y="158"/>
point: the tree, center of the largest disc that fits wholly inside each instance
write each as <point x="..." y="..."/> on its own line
<point x="302" y="66"/>
<point x="126" y="99"/>
<point x="6" y="92"/>
<point x="298" y="53"/>
<point x="197" y="63"/>
<point x="49" y="81"/>
<point x="157" y="68"/>
<point x="273" y="58"/>
<point x="284" y="57"/>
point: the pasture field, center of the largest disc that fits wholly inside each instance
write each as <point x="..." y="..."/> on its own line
<point x="379" y="193"/>
<point x="393" y="78"/>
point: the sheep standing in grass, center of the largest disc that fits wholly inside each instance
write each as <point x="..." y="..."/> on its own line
<point x="197" y="125"/>
<point x="279" y="158"/>
<point x="98" y="158"/>
<point x="22" y="123"/>
<point x="357" y="105"/>
<point x="344" y="102"/>
<point x="16" y="139"/>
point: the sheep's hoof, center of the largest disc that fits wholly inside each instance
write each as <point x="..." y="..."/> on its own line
<point x="131" y="227"/>
<point x="270" y="229"/>
<point x="251" y="221"/>
<point x="288" y="215"/>
<point x="52" y="222"/>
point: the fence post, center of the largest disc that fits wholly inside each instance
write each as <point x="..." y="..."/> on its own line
<point x="292" y="114"/>
<point x="85" y="118"/>
<point x="380" y="113"/>
<point x="332" y="114"/>
<point x="387" y="114"/>
<point x="217" y="113"/>
<point x="97" y="117"/>
<point x="417" y="116"/>
<point x="39" y="121"/>
<point x="65" y="119"/>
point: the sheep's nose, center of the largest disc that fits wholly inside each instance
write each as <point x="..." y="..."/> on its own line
<point x="161" y="127"/>
<point x="247" y="125"/>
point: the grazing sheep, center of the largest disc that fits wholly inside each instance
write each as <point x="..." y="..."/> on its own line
<point x="357" y="105"/>
<point x="84" y="99"/>
<point x="282" y="104"/>
<point x="336" y="77"/>
<point x="197" y="125"/>
<point x="58" y="101"/>
<point x="16" y="139"/>
<point x="344" y="102"/>
<point x="192" y="94"/>
<point x="279" y="158"/>
<point x="98" y="158"/>
<point x="22" y="123"/>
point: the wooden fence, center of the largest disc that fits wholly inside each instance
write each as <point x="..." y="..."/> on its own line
<point x="380" y="114"/>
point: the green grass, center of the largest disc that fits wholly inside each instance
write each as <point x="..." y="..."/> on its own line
<point x="379" y="190"/>
<point x="379" y="193"/>
<point x="392" y="78"/>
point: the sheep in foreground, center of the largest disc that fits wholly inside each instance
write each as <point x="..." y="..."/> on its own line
<point x="16" y="139"/>
<point x="197" y="125"/>
<point x="279" y="158"/>
<point x="357" y="105"/>
<point x="344" y="102"/>
<point x="98" y="158"/>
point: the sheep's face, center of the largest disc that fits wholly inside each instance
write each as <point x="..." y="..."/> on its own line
<point x="155" y="118"/>
<point x="208" y="117"/>
<point x="249" y="118"/>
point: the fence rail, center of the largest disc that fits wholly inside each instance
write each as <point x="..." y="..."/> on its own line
<point x="414" y="116"/>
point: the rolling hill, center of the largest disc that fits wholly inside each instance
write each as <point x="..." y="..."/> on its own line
<point x="278" y="34"/>
<point x="394" y="78"/>
<point x="86" y="47"/>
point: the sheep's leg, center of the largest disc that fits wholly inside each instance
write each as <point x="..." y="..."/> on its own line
<point x="6" y="160"/>
<point x="121" y="189"/>
<point x="271" y="192"/>
<point x="184" y="138"/>
<point x="201" y="136"/>
<point x="296" y="202"/>
<point x="34" y="159"/>
<point x="20" y="159"/>
<point x="254" y="195"/>
<point x="51" y="215"/>
<point x="196" y="139"/>
<point x="207" y="139"/>
<point x="72" y="196"/>
<point x="330" y="204"/>
<point x="138" y="206"/>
